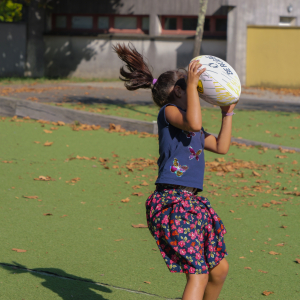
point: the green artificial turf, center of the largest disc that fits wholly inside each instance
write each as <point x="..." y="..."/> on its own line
<point x="280" y="128"/>
<point x="69" y="242"/>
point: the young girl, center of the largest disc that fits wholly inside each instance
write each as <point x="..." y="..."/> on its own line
<point x="188" y="232"/>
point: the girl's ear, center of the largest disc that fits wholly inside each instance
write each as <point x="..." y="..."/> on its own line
<point x="178" y="91"/>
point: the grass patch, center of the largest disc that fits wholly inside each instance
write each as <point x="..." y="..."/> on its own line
<point x="60" y="228"/>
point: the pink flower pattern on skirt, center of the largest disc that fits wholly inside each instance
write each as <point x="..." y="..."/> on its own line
<point x="188" y="232"/>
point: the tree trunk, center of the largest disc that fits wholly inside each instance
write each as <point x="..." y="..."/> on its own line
<point x="200" y="27"/>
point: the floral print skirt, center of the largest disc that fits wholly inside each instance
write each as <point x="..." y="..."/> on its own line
<point x="188" y="232"/>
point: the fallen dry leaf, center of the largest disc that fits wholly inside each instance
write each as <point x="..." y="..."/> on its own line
<point x="63" y="216"/>
<point x="48" y="143"/>
<point x="144" y="183"/>
<point x="74" y="180"/>
<point x="294" y="162"/>
<point x="125" y="200"/>
<point x="31" y="197"/>
<point x="43" y="178"/>
<point x="18" y="250"/>
<point x="37" y="142"/>
<point x="248" y="268"/>
<point x="232" y="211"/>
<point x="256" y="174"/>
<point x="47" y="131"/>
<point x="266" y="205"/>
<point x="139" y="226"/>
<point x="148" y="282"/>
<point x="274" y="253"/>
<point x="283" y="226"/>
<point x="265" y="272"/>
<point x="119" y="240"/>
<point x="297" y="260"/>
<point x="48" y="214"/>
<point x="267" y="293"/>
<point x="267" y="131"/>
<point x="138" y="194"/>
<point x="136" y="187"/>
<point x="242" y="257"/>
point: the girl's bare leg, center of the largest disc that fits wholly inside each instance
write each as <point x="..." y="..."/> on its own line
<point x="217" y="276"/>
<point x="195" y="286"/>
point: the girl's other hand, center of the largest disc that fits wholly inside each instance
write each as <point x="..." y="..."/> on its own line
<point x="229" y="108"/>
<point x="194" y="73"/>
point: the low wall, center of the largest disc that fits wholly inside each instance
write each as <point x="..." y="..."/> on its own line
<point x="12" y="49"/>
<point x="92" y="57"/>
<point x="22" y="108"/>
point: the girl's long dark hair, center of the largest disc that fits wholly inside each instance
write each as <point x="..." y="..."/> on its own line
<point x="138" y="75"/>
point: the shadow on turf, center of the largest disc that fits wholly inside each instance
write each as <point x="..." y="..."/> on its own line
<point x="69" y="287"/>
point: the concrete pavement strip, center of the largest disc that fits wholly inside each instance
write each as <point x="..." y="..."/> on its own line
<point x="23" y="108"/>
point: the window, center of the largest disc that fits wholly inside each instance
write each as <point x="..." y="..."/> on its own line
<point x="221" y="24"/>
<point x="145" y="23"/>
<point x="80" y="22"/>
<point x="189" y="23"/>
<point x="214" y="26"/>
<point x="287" y="21"/>
<point x="125" y="23"/>
<point x="170" y="23"/>
<point x="103" y="22"/>
<point x="61" y="22"/>
<point x="95" y="24"/>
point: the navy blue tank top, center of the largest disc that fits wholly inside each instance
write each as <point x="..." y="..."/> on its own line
<point x="181" y="154"/>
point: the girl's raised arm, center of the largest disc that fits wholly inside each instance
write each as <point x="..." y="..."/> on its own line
<point x="221" y="144"/>
<point x="191" y="120"/>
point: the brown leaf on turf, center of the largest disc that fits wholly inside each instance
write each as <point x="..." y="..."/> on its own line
<point x="294" y="162"/>
<point x="242" y="257"/>
<point x="235" y="195"/>
<point x="26" y="118"/>
<point x="53" y="128"/>
<point x="262" y="181"/>
<point x="261" y="271"/>
<point x="136" y="187"/>
<point x="275" y="202"/>
<point x="37" y="142"/>
<point x="280" y="245"/>
<point x="267" y="293"/>
<point x="119" y="240"/>
<point x="256" y="174"/>
<point x="103" y="160"/>
<point x="283" y="226"/>
<point x="297" y="260"/>
<point x="47" y="131"/>
<point x="115" y="167"/>
<point x="63" y="216"/>
<point x="18" y="250"/>
<point x="274" y="253"/>
<point x="144" y="183"/>
<point x="7" y="161"/>
<point x="48" y="214"/>
<point x="148" y="282"/>
<point x="266" y="205"/>
<point x="48" y="143"/>
<point x="60" y="123"/>
<point x="139" y="226"/>
<point x="31" y="197"/>
<point x="44" y="178"/>
<point x="125" y="200"/>
<point x="238" y="218"/>
<point x="267" y="131"/>
<point x="127" y="182"/>
<point x="232" y="211"/>
<point x="74" y="180"/>
<point x="248" y="268"/>
<point x="138" y="194"/>
<point x="281" y="156"/>
<point x="284" y="215"/>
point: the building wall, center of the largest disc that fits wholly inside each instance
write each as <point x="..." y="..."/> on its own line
<point x="12" y="49"/>
<point x="273" y="56"/>
<point x="90" y="57"/>
<point x="253" y="12"/>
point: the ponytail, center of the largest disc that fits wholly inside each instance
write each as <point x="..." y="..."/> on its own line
<point x="138" y="74"/>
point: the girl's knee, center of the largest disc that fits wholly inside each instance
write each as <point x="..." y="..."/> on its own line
<point x="197" y="278"/>
<point x="219" y="273"/>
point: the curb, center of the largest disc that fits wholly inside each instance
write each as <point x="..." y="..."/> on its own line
<point x="23" y="108"/>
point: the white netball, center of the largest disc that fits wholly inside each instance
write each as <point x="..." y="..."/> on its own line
<point x="219" y="84"/>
